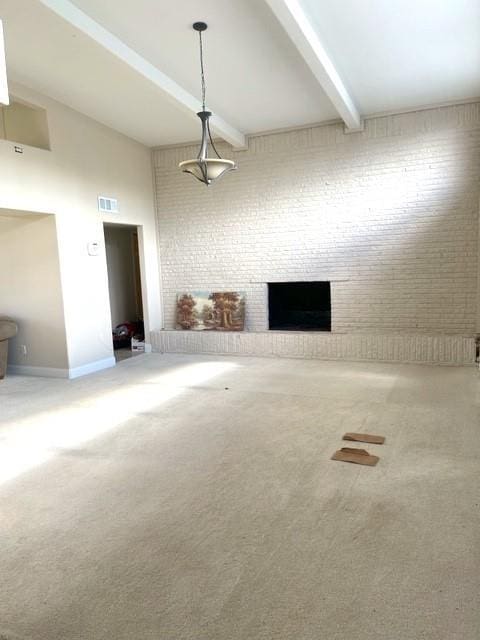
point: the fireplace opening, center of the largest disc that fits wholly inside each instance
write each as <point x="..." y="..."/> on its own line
<point x="299" y="306"/>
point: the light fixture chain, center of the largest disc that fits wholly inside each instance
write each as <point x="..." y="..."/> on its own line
<point x="202" y="71"/>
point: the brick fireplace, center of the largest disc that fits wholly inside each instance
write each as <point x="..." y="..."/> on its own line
<point x="388" y="217"/>
<point x="299" y="306"/>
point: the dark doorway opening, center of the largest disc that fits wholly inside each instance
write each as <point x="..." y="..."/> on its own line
<point x="124" y="286"/>
<point x="299" y="306"/>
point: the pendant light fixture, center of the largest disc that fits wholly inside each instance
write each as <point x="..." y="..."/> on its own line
<point x="204" y="168"/>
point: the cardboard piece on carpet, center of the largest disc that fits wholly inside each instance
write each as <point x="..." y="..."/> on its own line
<point x="364" y="437"/>
<point x="357" y="456"/>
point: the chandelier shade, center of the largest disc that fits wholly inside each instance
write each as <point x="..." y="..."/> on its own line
<point x="207" y="170"/>
<point x="202" y="167"/>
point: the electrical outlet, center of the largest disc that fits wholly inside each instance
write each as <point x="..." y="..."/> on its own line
<point x="23" y="349"/>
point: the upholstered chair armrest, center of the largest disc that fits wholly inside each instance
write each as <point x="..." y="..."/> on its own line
<point x="8" y="328"/>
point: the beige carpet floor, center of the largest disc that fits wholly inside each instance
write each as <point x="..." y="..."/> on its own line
<point x="182" y="497"/>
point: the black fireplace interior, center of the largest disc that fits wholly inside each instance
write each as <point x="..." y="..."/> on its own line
<point x="299" y="306"/>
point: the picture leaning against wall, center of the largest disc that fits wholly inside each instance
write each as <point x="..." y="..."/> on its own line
<point x="216" y="311"/>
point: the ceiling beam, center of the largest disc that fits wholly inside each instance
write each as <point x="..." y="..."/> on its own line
<point x="186" y="101"/>
<point x="4" y="99"/>
<point x="303" y="35"/>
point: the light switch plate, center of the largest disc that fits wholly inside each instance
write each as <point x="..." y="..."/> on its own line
<point x="92" y="248"/>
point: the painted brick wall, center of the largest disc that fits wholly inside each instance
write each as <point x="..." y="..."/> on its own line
<point x="389" y="216"/>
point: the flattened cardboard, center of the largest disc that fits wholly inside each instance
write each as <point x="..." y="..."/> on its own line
<point x="364" y="437"/>
<point x="356" y="456"/>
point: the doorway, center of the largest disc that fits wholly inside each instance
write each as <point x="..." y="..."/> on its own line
<point x="125" y="289"/>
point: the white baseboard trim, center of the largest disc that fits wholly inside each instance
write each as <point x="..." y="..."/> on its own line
<point x="91" y="367"/>
<point x="41" y="372"/>
<point x="52" y="372"/>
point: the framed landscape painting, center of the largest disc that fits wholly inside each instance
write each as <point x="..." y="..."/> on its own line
<point x="206" y="311"/>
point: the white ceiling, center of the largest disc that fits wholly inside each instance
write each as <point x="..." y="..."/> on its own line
<point x="390" y="55"/>
<point x="397" y="54"/>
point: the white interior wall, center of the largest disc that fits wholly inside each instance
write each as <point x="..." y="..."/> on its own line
<point x="30" y="290"/>
<point x="478" y="278"/>
<point x="389" y="216"/>
<point x="121" y="274"/>
<point x="4" y="99"/>
<point x="86" y="159"/>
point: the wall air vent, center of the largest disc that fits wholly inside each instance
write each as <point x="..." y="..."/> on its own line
<point x="107" y="205"/>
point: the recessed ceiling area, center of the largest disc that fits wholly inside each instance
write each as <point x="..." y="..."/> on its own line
<point x="261" y="69"/>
